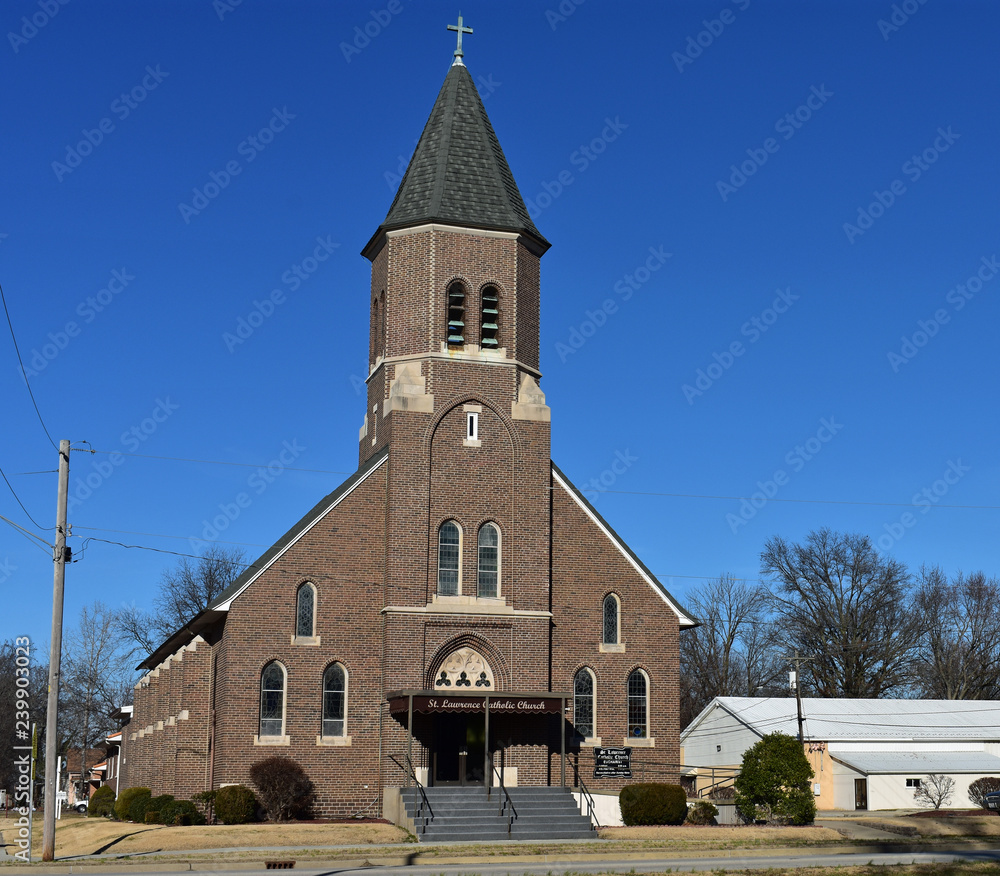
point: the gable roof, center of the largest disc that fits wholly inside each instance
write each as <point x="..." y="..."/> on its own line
<point x="220" y="605"/>
<point x="860" y="720"/>
<point x="458" y="174"/>
<point x="685" y="618"/>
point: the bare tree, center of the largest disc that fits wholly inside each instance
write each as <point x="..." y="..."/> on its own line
<point x="185" y="591"/>
<point x="96" y="676"/>
<point x="960" y="649"/>
<point x="934" y="790"/>
<point x="848" y="609"/>
<point x="734" y="652"/>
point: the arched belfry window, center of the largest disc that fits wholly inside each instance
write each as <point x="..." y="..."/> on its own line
<point x="611" y="619"/>
<point x="456" y="314"/>
<point x="490" y="322"/>
<point x="638" y="704"/>
<point x="272" y="700"/>
<point x="305" y="611"/>
<point x="583" y="703"/>
<point x="449" y="541"/>
<point x="489" y="561"/>
<point x="334" y="700"/>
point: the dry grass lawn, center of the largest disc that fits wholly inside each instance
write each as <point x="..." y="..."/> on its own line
<point x="723" y="836"/>
<point x="92" y="836"/>
<point x="943" y="826"/>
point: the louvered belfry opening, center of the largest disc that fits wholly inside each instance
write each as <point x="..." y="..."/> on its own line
<point x="490" y="322"/>
<point x="456" y="315"/>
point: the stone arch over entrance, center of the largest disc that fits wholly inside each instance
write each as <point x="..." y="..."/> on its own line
<point x="467" y="663"/>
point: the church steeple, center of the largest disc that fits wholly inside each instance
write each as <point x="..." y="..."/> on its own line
<point x="458" y="174"/>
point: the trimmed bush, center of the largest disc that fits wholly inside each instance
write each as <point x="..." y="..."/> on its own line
<point x="206" y="800"/>
<point x="139" y="807"/>
<point x="124" y="802"/>
<point x="156" y="806"/>
<point x="284" y="789"/>
<point x="235" y="804"/>
<point x="977" y="790"/>
<point x="774" y="784"/>
<point x="181" y="812"/>
<point x="702" y="812"/>
<point x="102" y="801"/>
<point x="653" y="803"/>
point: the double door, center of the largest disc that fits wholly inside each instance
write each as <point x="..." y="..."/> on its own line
<point x="459" y="749"/>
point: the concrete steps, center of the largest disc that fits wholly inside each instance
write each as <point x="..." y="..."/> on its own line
<point x="467" y="815"/>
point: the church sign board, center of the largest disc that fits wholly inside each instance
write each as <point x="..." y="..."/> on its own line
<point x="515" y="705"/>
<point x="612" y="763"/>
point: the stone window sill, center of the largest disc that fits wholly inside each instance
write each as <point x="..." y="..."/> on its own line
<point x="308" y="641"/>
<point x="590" y="742"/>
<point x="640" y="742"/>
<point x="272" y="740"/>
<point x="612" y="649"/>
<point x="334" y="741"/>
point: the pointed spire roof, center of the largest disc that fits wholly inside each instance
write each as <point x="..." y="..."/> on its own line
<point x="458" y="174"/>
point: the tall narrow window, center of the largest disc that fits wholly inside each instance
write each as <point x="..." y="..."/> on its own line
<point x="305" y="611"/>
<point x="490" y="323"/>
<point x="456" y="315"/>
<point x="611" y="607"/>
<point x="489" y="560"/>
<point x="334" y="700"/>
<point x="272" y="700"/>
<point x="638" y="699"/>
<point x="583" y="703"/>
<point x="448" y="550"/>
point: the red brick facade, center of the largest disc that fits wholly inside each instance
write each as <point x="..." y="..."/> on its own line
<point x="371" y="553"/>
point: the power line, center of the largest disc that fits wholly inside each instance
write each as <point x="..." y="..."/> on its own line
<point x="19" y="502"/>
<point x="179" y="537"/>
<point x="24" y="373"/>
<point x="224" y="462"/>
<point x="27" y="534"/>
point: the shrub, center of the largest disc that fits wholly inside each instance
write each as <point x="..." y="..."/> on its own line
<point x="653" y="803"/>
<point x="206" y="800"/>
<point x="139" y="807"/>
<point x="152" y="817"/>
<point x="235" y="804"/>
<point x="977" y="790"/>
<point x="722" y="792"/>
<point x="774" y="782"/>
<point x="156" y="806"/>
<point x="124" y="802"/>
<point x="102" y="801"/>
<point x="181" y="812"/>
<point x="702" y="812"/>
<point x="284" y="788"/>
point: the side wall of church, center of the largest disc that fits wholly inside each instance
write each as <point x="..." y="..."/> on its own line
<point x="166" y="741"/>
<point x="586" y="567"/>
<point x="342" y="557"/>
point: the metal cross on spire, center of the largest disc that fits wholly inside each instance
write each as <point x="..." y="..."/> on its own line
<point x="458" y="27"/>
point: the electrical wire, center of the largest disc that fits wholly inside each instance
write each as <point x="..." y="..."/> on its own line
<point x="19" y="502"/>
<point x="28" y="535"/>
<point x="223" y="462"/>
<point x="24" y="373"/>
<point x="179" y="537"/>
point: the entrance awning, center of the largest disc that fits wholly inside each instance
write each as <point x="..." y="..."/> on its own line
<point x="496" y="703"/>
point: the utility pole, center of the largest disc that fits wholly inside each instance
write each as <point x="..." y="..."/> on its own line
<point x="797" y="680"/>
<point x="59" y="557"/>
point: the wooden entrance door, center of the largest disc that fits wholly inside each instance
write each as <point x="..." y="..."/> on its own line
<point x="861" y="793"/>
<point x="459" y="749"/>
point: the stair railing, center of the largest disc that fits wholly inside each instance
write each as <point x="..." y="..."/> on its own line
<point x="421" y="816"/>
<point x="506" y="803"/>
<point x="591" y="813"/>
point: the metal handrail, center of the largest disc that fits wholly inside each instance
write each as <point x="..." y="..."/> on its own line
<point x="505" y="799"/>
<point x="591" y="807"/>
<point x="411" y="773"/>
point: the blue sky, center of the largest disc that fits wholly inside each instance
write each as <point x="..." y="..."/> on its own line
<point x="774" y="232"/>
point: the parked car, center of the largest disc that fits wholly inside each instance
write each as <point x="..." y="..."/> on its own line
<point x="80" y="806"/>
<point x="992" y="801"/>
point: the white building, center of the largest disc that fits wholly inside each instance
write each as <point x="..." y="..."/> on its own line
<point x="866" y="754"/>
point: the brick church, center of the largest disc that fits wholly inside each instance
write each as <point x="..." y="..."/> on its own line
<point x="456" y="605"/>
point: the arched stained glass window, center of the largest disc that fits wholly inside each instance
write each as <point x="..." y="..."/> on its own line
<point x="638" y="705"/>
<point x="611" y="606"/>
<point x="489" y="560"/>
<point x="583" y="703"/>
<point x="272" y="700"/>
<point x="305" y="611"/>
<point x="449" y="539"/>
<point x="334" y="700"/>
